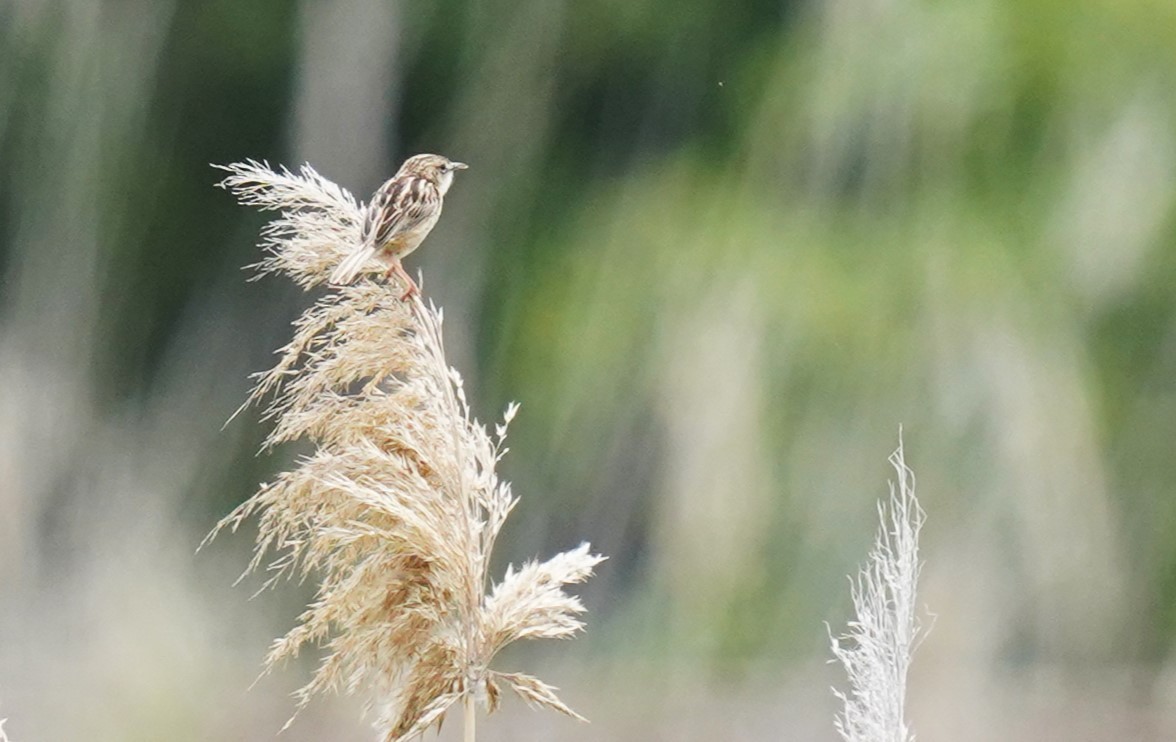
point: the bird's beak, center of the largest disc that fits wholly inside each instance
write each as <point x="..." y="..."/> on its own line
<point x="458" y="166"/>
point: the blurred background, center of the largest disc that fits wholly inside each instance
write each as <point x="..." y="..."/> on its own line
<point x="718" y="250"/>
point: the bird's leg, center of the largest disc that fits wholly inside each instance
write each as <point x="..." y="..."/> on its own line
<point x="410" y="285"/>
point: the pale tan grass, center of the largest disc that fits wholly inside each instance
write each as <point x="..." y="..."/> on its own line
<point x="877" y="646"/>
<point x="397" y="509"/>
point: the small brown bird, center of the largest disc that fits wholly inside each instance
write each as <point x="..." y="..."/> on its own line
<point x="399" y="217"/>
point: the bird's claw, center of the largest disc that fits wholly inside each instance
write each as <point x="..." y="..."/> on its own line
<point x="411" y="288"/>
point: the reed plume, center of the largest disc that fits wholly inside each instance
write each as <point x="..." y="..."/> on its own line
<point x="877" y="647"/>
<point x="397" y="509"/>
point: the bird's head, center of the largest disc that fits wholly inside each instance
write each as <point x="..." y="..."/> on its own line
<point x="432" y="167"/>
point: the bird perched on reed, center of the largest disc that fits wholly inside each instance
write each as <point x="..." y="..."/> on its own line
<point x="400" y="215"/>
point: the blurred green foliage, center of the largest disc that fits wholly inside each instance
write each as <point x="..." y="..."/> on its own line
<point x="956" y="215"/>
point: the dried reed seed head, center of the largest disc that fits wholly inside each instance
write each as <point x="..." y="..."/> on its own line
<point x="398" y="508"/>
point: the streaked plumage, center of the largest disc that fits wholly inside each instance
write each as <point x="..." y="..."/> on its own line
<point x="400" y="215"/>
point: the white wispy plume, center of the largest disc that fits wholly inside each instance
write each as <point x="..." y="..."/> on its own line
<point x="877" y="646"/>
<point x="397" y="508"/>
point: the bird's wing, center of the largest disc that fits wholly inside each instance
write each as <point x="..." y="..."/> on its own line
<point x="399" y="207"/>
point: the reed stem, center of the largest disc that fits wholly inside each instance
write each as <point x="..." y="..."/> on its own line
<point x="470" y="721"/>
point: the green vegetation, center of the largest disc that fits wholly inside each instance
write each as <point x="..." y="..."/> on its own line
<point x="721" y="251"/>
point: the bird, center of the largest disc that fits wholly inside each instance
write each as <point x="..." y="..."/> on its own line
<point x="399" y="217"/>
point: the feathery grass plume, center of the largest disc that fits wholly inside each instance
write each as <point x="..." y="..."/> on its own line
<point x="3" y="736"/>
<point x="397" y="509"/>
<point x="877" y="647"/>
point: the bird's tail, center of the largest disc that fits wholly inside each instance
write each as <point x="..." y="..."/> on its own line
<point x="352" y="265"/>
